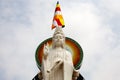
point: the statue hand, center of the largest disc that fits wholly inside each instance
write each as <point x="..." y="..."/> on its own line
<point x="57" y="64"/>
<point x="76" y="73"/>
<point x="59" y="61"/>
<point x="46" y="50"/>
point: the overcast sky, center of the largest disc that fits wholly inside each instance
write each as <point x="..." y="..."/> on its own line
<point x="94" y="24"/>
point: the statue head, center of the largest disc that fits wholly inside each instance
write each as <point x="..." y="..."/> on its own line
<point x="58" y="39"/>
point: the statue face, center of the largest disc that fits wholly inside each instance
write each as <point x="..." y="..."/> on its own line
<point x="59" y="40"/>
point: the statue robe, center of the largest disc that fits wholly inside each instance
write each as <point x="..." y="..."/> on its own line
<point x="62" y="71"/>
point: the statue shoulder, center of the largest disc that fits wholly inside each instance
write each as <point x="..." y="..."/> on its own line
<point x="68" y="53"/>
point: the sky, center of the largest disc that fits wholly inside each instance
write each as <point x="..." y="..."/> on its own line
<point x="94" y="24"/>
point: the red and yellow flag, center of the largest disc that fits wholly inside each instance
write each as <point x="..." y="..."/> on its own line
<point x="58" y="20"/>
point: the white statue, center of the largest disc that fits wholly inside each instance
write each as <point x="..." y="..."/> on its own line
<point x="57" y="62"/>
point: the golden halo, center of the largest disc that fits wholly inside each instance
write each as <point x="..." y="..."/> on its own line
<point x="71" y="45"/>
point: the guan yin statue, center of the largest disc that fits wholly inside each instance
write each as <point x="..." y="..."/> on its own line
<point x="59" y="57"/>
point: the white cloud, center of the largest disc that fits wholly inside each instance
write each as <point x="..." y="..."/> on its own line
<point x="111" y="6"/>
<point x="86" y="24"/>
<point x="108" y="67"/>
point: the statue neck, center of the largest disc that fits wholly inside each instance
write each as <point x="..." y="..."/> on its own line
<point x="58" y="48"/>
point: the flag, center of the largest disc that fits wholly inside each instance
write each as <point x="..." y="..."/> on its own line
<point x="58" y="20"/>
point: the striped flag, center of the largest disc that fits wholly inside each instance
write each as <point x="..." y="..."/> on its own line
<point x="58" y="20"/>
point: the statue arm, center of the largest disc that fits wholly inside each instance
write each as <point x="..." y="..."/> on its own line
<point x="68" y="58"/>
<point x="56" y="65"/>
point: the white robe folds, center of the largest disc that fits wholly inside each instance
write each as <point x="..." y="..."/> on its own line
<point x="58" y="65"/>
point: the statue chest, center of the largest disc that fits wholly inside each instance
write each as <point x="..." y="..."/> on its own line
<point x="57" y="54"/>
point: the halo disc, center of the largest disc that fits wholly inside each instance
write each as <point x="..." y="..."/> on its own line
<point x="71" y="45"/>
